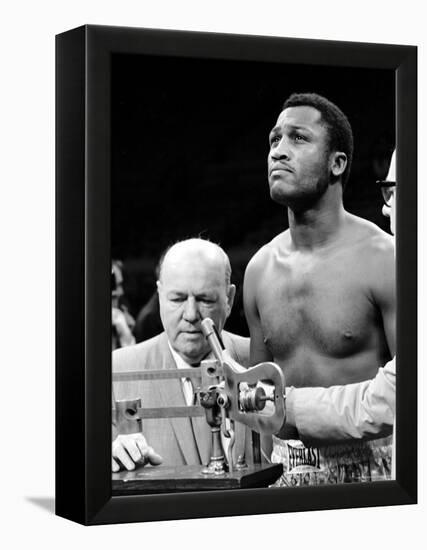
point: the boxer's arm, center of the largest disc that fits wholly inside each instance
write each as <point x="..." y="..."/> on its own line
<point x="384" y="290"/>
<point x="258" y="350"/>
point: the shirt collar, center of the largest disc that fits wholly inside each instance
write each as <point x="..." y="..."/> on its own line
<point x="179" y="361"/>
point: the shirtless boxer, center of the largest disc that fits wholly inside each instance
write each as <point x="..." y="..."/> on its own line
<point x="320" y="297"/>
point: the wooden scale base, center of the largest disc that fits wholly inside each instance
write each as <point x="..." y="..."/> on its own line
<point x="163" y="479"/>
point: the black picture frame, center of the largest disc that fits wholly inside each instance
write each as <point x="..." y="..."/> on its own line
<point x="83" y="316"/>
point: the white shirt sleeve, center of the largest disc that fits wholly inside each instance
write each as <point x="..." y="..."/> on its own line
<point x="365" y="410"/>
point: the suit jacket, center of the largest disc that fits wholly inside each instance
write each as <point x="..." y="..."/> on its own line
<point x="179" y="441"/>
<point x="365" y="410"/>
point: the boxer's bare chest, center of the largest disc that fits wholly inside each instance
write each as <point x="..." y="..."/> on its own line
<point x="317" y="304"/>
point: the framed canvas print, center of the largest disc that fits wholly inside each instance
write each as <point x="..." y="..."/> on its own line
<point x="236" y="275"/>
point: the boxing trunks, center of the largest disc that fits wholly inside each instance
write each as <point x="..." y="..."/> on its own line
<point x="352" y="462"/>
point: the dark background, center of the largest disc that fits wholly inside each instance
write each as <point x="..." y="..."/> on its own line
<point x="189" y="155"/>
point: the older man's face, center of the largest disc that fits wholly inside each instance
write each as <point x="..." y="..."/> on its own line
<point x="192" y="288"/>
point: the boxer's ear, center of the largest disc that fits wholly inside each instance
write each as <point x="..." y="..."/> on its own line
<point x="338" y="163"/>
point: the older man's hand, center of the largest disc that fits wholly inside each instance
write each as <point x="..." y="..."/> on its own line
<point x="132" y="450"/>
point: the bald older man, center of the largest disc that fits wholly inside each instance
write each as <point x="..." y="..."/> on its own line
<point x="194" y="283"/>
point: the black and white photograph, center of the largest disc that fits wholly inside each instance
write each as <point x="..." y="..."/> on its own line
<point x="251" y="194"/>
<point x="239" y="258"/>
<point x="213" y="274"/>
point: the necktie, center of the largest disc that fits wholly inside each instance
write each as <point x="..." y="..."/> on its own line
<point x="187" y="387"/>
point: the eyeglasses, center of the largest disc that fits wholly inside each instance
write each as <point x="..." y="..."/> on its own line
<point x="388" y="189"/>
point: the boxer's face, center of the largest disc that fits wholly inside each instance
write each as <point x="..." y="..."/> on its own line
<point x="299" y="158"/>
<point x="192" y="288"/>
